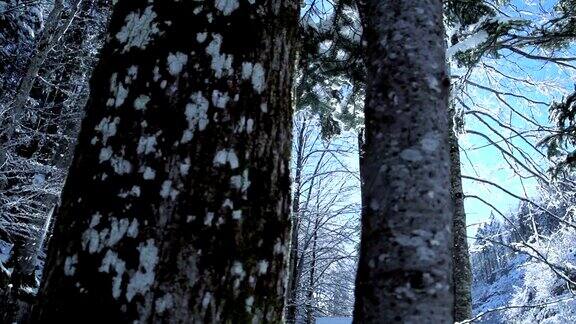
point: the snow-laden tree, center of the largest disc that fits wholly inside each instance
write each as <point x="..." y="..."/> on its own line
<point x="324" y="222"/>
<point x="405" y="266"/>
<point x="176" y="205"/>
<point x="39" y="136"/>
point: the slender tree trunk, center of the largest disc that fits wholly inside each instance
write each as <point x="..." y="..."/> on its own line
<point x="405" y="266"/>
<point x="462" y="269"/>
<point x="176" y="207"/>
<point x="293" y="274"/>
<point x="310" y="293"/>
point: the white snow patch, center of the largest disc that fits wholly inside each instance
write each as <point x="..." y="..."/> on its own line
<point x="167" y="190"/>
<point x="146" y="145"/>
<point x="143" y="279"/>
<point x="196" y="115"/>
<point x="220" y="99"/>
<point x="228" y="204"/>
<point x="208" y="219"/>
<point x="206" y="299"/>
<point x="107" y="128"/>
<point x="262" y="267"/>
<point x="176" y="62"/>
<point x="249" y="302"/>
<point x="247" y="70"/>
<point x="469" y="43"/>
<point x="201" y="37"/>
<point x="111" y="261"/>
<point x="226" y="6"/>
<point x="138" y="29"/>
<point x="258" y="78"/>
<point x="133" y="229"/>
<point x="221" y="63"/>
<point x="237" y="269"/>
<point x="149" y="173"/>
<point x="141" y="102"/>
<point x="249" y="125"/>
<point x="224" y="156"/>
<point x="105" y="154"/>
<point x="120" y="165"/>
<point x="163" y="303"/>
<point x="70" y="265"/>
<point x="185" y="167"/>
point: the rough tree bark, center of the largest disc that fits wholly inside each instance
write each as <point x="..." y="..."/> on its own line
<point x="405" y="266"/>
<point x="462" y="268"/>
<point x="176" y="207"/>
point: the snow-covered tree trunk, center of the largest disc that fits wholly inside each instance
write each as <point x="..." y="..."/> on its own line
<point x="462" y="268"/>
<point x="405" y="266"/>
<point x="176" y="208"/>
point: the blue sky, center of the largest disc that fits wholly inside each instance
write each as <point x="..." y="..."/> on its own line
<point x="482" y="159"/>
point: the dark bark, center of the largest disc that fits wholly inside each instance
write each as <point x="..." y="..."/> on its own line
<point x="462" y="268"/>
<point x="176" y="207"/>
<point x="405" y="266"/>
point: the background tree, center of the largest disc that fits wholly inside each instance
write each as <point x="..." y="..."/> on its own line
<point x="186" y="139"/>
<point x="37" y="153"/>
<point x="325" y="222"/>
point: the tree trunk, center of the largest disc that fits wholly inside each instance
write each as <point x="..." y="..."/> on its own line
<point x="293" y="275"/>
<point x="462" y="269"/>
<point x="310" y="292"/>
<point x="405" y="266"/>
<point x="176" y="207"/>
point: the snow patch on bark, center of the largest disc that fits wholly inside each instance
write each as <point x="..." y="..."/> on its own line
<point x="110" y="262"/>
<point x="219" y="99"/>
<point x="224" y="156"/>
<point x="70" y="265"/>
<point x="221" y="63"/>
<point x="141" y="102"/>
<point x="226" y="6"/>
<point x="138" y="29"/>
<point x="176" y="62"/>
<point x="146" y="145"/>
<point x="143" y="279"/>
<point x="196" y="115"/>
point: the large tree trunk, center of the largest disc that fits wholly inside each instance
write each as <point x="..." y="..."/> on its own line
<point x="405" y="267"/>
<point x="176" y="208"/>
<point x="462" y="268"/>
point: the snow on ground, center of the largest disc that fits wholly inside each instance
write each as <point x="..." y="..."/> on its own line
<point x="334" y="320"/>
